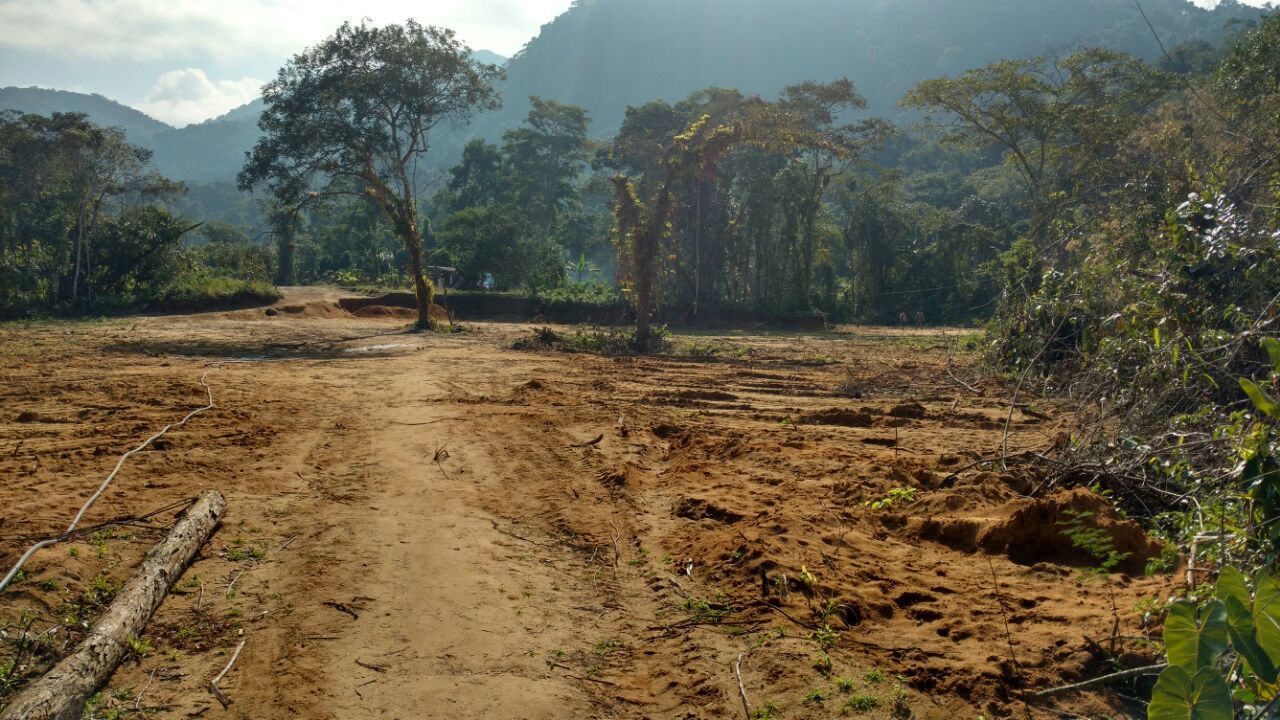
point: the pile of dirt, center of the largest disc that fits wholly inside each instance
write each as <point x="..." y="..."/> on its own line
<point x="346" y="308"/>
<point x="693" y="398"/>
<point x="393" y="306"/>
<point x="628" y="476"/>
<point x="1036" y="531"/>
<point x="839" y="417"/>
<point x="911" y="410"/>
<point x="699" y="509"/>
<point x="318" y="310"/>
<point x="384" y="312"/>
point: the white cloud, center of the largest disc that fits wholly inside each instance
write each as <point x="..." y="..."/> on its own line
<point x="228" y="29"/>
<point x="181" y="97"/>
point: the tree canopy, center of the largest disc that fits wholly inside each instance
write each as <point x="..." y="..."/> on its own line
<point x="356" y="113"/>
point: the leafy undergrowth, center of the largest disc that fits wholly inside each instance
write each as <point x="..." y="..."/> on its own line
<point x="608" y="341"/>
<point x="200" y="292"/>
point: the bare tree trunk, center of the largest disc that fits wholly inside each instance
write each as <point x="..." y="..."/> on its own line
<point x="285" y="248"/>
<point x="424" y="292"/>
<point x="813" y="205"/>
<point x="697" y="246"/>
<point x="75" y="275"/>
<point x="61" y="694"/>
<point x="404" y="210"/>
<point x="645" y="254"/>
<point x="88" y="238"/>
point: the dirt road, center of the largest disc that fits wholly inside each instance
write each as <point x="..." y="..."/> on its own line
<point x="421" y="525"/>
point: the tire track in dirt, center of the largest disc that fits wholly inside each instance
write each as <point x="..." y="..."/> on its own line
<point x="455" y="616"/>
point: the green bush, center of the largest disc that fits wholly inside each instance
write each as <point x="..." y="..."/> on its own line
<point x="196" y="291"/>
<point x="611" y="341"/>
<point x="594" y="293"/>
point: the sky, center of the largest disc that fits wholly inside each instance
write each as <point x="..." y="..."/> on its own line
<point x="184" y="61"/>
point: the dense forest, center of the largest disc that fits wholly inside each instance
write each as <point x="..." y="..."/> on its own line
<point x="84" y="224"/>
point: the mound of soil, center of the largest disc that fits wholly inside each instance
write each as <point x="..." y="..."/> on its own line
<point x="839" y="417"/>
<point x="318" y="309"/>
<point x="913" y="411"/>
<point x="698" y="509"/>
<point x="1032" y="531"/>
<point x="627" y="475"/>
<point x="710" y="395"/>
<point x="396" y="305"/>
<point x="385" y="312"/>
<point x="397" y="299"/>
<point x="665" y="430"/>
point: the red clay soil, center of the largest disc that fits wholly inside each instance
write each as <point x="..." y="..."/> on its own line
<point x="420" y="525"/>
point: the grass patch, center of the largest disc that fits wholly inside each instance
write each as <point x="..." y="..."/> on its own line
<point x="710" y="348"/>
<point x="610" y="342"/>
<point x="196" y="292"/>
<point x="861" y="703"/>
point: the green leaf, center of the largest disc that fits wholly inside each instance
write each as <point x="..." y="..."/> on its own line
<point x="1272" y="346"/>
<point x="1195" y="640"/>
<point x="1266" y="615"/>
<point x="1260" y="398"/>
<point x="1232" y="583"/>
<point x="1240" y="629"/>
<point x="1181" y="696"/>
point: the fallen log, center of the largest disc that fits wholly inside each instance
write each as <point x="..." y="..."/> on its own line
<point x="62" y="692"/>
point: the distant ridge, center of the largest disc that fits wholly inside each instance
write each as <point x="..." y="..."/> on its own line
<point x="140" y="127"/>
<point x="488" y="56"/>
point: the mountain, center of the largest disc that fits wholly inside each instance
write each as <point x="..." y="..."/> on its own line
<point x="607" y="54"/>
<point x="140" y="127"/>
<point x="488" y="56"/>
<point x="205" y="152"/>
<point x="209" y="151"/>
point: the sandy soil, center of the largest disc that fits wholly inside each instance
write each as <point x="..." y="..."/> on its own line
<point x="419" y="525"/>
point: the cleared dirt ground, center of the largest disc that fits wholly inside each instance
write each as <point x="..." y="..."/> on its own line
<point x="418" y="525"/>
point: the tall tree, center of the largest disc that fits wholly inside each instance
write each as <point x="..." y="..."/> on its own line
<point x="1058" y="119"/>
<point x="545" y="155"/>
<point x="361" y="106"/>
<point x="643" y="224"/>
<point x="480" y="179"/>
<point x="61" y="179"/>
<point x="813" y="110"/>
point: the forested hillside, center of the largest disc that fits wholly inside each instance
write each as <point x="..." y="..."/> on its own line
<point x="862" y="214"/>
<point x="607" y="54"/>
<point x="140" y="128"/>
<point x="205" y="152"/>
